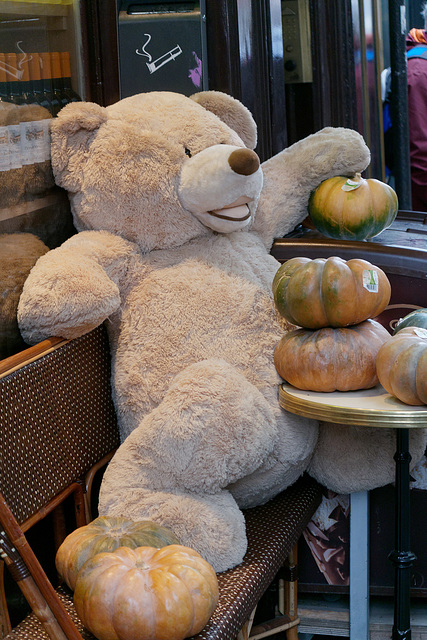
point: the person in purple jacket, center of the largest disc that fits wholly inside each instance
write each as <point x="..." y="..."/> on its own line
<point x="416" y="47"/>
<point x="416" y="53"/>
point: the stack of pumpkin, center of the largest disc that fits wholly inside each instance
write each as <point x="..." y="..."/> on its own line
<point x="134" y="581"/>
<point x="340" y="347"/>
<point x="333" y="302"/>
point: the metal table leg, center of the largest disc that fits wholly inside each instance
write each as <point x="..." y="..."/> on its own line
<point x="402" y="557"/>
<point x="359" y="565"/>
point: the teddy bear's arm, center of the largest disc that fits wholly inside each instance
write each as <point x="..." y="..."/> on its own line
<point x="291" y="175"/>
<point x="75" y="287"/>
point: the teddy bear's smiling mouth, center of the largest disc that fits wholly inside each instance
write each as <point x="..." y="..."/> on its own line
<point x="241" y="208"/>
<point x="238" y="209"/>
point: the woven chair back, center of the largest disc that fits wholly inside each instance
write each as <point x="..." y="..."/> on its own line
<point x="57" y="420"/>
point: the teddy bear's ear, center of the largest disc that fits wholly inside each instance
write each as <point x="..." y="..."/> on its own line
<point x="71" y="134"/>
<point x="230" y="111"/>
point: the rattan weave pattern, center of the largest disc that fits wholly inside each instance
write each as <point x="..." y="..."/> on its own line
<point x="272" y="531"/>
<point x="55" y="435"/>
<point x="32" y="629"/>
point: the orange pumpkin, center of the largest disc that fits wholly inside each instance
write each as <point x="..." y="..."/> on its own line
<point x="107" y="534"/>
<point x="402" y="365"/>
<point x="329" y="359"/>
<point x="330" y="292"/>
<point x="352" y="208"/>
<point x="146" y="593"/>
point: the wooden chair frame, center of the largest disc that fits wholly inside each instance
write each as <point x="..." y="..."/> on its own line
<point x="32" y="580"/>
<point x="289" y="515"/>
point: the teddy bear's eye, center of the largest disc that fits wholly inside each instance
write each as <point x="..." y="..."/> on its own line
<point x="187" y="152"/>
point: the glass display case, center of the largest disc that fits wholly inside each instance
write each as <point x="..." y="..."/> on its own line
<point x="41" y="70"/>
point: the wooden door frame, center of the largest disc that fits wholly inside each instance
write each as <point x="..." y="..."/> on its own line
<point x="100" y="50"/>
<point x="245" y="60"/>
<point x="334" y="88"/>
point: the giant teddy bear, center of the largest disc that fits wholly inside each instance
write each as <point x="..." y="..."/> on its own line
<point x="176" y="218"/>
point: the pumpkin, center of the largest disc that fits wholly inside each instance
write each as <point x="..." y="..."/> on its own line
<point x="107" y="534"/>
<point x="352" y="208"/>
<point x="340" y="359"/>
<point x="330" y="292"/>
<point x="402" y="365"/>
<point x="417" y="318"/>
<point x="146" y="593"/>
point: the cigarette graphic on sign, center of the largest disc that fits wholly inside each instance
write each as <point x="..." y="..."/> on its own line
<point x="154" y="65"/>
<point x="166" y="57"/>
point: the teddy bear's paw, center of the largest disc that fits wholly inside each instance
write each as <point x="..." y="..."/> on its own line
<point x="213" y="525"/>
<point x="349" y="458"/>
<point x="291" y="175"/>
<point x="66" y="297"/>
<point x="337" y="151"/>
<point x="212" y="427"/>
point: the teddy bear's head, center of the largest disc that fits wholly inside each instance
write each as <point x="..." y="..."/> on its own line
<point x="159" y="168"/>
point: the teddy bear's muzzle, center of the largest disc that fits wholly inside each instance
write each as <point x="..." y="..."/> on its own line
<point x="220" y="186"/>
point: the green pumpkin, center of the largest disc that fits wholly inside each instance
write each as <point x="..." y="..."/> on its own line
<point x="329" y="292"/>
<point x="106" y="534"/>
<point x="352" y="208"/>
<point x="417" y="318"/>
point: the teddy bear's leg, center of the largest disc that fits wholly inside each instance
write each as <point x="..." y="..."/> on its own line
<point x="350" y="458"/>
<point x="213" y="525"/>
<point x="211" y="428"/>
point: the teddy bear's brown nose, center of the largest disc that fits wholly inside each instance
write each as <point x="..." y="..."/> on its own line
<point x="244" y="161"/>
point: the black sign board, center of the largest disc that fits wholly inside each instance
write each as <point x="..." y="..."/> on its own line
<point x="161" y="51"/>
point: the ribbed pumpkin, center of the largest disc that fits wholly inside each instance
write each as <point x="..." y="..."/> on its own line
<point x="105" y="534"/>
<point x="330" y="292"/>
<point x="417" y="318"/>
<point x="402" y="365"/>
<point x="146" y="594"/>
<point x="329" y="359"/>
<point x="352" y="208"/>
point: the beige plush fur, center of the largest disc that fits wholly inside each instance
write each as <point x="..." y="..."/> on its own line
<point x="356" y="458"/>
<point x="176" y="219"/>
<point x="18" y="254"/>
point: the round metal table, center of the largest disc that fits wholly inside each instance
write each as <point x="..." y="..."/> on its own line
<point x="374" y="408"/>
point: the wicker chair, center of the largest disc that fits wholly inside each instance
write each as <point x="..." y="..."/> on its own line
<point x="58" y="424"/>
<point x="58" y="427"/>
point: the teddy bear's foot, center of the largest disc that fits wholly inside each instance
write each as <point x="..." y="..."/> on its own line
<point x="213" y="525"/>
<point x="349" y="458"/>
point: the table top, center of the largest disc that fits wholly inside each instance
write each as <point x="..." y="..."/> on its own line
<point x="367" y="407"/>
